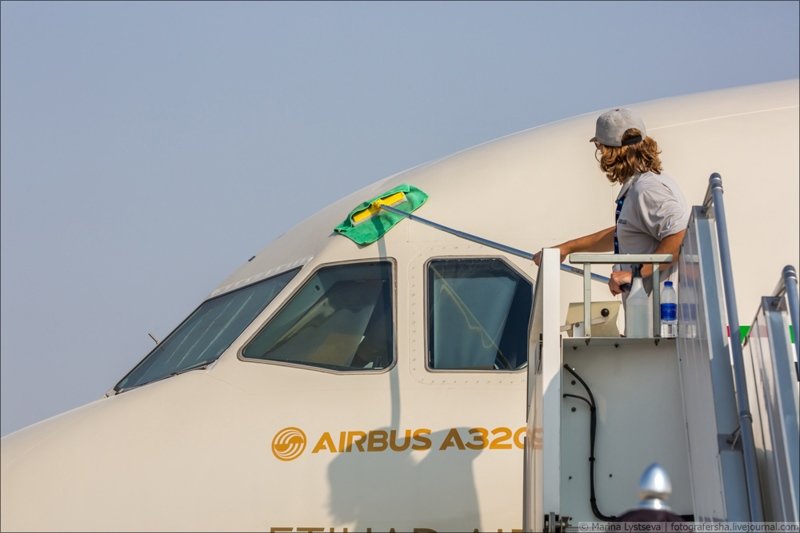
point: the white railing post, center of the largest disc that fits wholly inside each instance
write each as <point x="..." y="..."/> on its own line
<point x="542" y="474"/>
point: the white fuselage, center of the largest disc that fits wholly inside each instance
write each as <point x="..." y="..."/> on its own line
<point x="407" y="446"/>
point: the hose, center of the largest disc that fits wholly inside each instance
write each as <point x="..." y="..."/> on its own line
<point x="592" y="437"/>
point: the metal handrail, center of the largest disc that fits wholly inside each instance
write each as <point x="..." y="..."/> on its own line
<point x="787" y="285"/>
<point x="587" y="260"/>
<point x="790" y="288"/>
<point x="714" y="200"/>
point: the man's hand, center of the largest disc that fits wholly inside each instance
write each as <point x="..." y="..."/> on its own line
<point x="618" y="279"/>
<point x="537" y="257"/>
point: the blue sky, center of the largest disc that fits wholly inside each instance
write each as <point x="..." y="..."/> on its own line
<point x="150" y="148"/>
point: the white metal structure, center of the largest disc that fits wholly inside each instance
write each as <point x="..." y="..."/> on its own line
<point x="414" y="428"/>
<point x="725" y="426"/>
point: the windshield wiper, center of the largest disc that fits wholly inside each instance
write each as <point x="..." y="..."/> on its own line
<point x="196" y="366"/>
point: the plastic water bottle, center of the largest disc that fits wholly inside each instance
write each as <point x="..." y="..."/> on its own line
<point x="669" y="310"/>
<point x="636" y="307"/>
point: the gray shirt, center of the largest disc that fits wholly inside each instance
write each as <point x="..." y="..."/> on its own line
<point x="654" y="208"/>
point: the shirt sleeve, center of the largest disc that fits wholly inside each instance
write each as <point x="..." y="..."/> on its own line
<point x="664" y="212"/>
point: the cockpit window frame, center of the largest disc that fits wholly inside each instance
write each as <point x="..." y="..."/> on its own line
<point x="427" y="314"/>
<point x="296" y="270"/>
<point x="300" y="284"/>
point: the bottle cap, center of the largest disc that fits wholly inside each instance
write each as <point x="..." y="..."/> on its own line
<point x="668" y="284"/>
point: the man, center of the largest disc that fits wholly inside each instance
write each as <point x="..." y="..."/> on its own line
<point x="651" y="212"/>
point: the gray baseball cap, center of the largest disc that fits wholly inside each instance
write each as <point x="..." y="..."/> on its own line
<point x="612" y="125"/>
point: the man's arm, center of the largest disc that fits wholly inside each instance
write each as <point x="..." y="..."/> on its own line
<point x="601" y="241"/>
<point x="670" y="245"/>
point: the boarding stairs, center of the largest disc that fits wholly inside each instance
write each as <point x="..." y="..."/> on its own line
<point x="715" y="408"/>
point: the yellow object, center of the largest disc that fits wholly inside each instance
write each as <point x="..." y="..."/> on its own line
<point x="375" y="207"/>
<point x="370" y="220"/>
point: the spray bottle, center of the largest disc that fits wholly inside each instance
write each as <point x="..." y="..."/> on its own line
<point x="636" y="307"/>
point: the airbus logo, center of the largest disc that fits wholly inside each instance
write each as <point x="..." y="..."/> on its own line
<point x="288" y="444"/>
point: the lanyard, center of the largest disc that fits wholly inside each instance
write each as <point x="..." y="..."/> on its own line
<point x="616" y="220"/>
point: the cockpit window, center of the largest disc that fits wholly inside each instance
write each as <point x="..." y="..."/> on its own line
<point x="208" y="332"/>
<point x="478" y="315"/>
<point x="341" y="319"/>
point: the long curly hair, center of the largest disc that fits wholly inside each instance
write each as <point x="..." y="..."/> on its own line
<point x="621" y="162"/>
